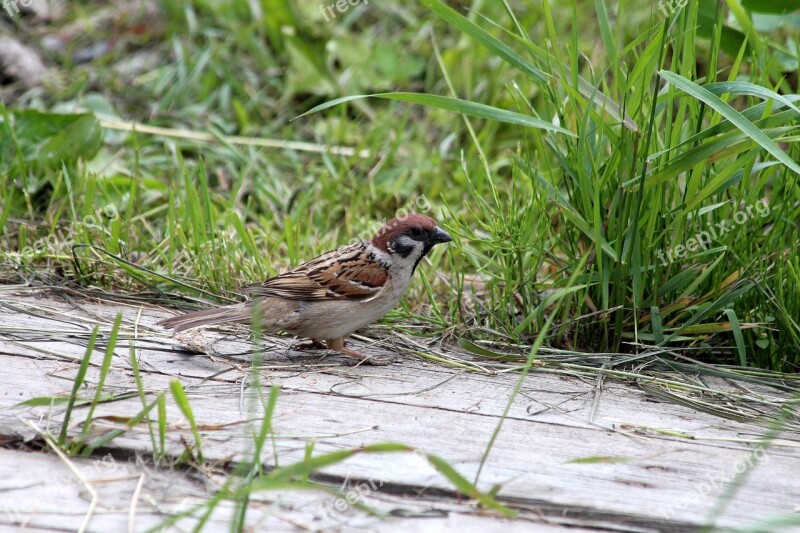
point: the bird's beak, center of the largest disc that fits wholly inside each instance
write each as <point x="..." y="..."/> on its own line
<point x="440" y="235"/>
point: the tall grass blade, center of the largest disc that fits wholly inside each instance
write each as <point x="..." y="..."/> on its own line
<point x="465" y="107"/>
<point x="76" y="385"/>
<point x="736" y="118"/>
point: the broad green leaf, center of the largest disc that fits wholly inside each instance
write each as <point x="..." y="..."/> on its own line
<point x="747" y="127"/>
<point x="752" y="114"/>
<point x="79" y="139"/>
<point x="49" y="139"/>
<point x="751" y="89"/>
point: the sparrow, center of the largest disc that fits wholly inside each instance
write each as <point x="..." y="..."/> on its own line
<point x="339" y="292"/>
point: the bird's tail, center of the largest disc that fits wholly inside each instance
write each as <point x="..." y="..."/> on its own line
<point x="220" y="315"/>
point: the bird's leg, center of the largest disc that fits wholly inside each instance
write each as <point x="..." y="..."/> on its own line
<point x="337" y="345"/>
<point x="315" y="344"/>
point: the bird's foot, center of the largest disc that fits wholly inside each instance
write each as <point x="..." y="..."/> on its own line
<point x="361" y="359"/>
<point x="337" y="345"/>
<point x="315" y="344"/>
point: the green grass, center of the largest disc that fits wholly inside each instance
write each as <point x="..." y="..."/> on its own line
<point x="565" y="148"/>
<point x="592" y="140"/>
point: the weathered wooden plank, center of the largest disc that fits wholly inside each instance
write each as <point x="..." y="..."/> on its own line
<point x="41" y="492"/>
<point x="557" y="400"/>
<point x="661" y="482"/>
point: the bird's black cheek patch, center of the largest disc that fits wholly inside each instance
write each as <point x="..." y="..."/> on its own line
<point x="403" y="250"/>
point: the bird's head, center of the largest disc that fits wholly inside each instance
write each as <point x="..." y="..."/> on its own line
<point x="409" y="237"/>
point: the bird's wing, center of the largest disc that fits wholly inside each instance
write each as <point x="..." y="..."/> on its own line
<point x="350" y="272"/>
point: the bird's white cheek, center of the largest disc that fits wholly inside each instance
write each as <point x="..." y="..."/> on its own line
<point x="401" y="268"/>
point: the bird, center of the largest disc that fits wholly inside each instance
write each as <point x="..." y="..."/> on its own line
<point x="331" y="296"/>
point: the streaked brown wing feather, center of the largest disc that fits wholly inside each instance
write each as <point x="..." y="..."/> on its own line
<point x="347" y="272"/>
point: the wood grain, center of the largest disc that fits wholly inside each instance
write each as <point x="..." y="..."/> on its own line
<point x="644" y="479"/>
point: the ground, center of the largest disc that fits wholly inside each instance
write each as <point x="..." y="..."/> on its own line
<point x="576" y="449"/>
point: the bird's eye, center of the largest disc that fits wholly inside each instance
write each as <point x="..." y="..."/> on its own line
<point x="415" y="232"/>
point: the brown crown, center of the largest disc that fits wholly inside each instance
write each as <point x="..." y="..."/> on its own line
<point x="398" y="226"/>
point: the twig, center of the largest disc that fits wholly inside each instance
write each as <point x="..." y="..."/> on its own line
<point x="93" y="504"/>
<point x="190" y="135"/>
<point x="134" y="500"/>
